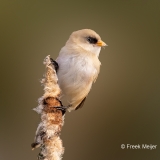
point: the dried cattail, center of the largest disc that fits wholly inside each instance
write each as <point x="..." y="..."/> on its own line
<point x="52" y="116"/>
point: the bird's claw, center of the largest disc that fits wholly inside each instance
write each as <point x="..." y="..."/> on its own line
<point x="62" y="109"/>
<point x="54" y="63"/>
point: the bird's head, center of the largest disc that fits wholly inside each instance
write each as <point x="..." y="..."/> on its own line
<point x="87" y="39"/>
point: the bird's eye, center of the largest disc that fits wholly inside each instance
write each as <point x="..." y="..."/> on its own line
<point x="92" y="40"/>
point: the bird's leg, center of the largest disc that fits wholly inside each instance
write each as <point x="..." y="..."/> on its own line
<point x="55" y="64"/>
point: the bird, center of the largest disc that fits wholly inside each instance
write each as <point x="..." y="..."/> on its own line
<point x="78" y="67"/>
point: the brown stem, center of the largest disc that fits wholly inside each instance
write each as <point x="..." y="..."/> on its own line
<point x="52" y="117"/>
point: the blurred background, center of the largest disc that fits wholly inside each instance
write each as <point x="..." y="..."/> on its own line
<point x="124" y="104"/>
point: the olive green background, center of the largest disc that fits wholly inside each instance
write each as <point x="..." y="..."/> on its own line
<point x="124" y="104"/>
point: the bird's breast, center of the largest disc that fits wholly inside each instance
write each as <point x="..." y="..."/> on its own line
<point x="76" y="71"/>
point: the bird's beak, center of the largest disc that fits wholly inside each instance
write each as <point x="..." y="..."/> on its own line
<point x="101" y="43"/>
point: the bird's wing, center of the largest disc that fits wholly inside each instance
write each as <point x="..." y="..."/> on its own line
<point x="81" y="104"/>
<point x="83" y="100"/>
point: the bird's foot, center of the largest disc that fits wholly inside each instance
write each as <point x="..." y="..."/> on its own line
<point x="62" y="109"/>
<point x="55" y="64"/>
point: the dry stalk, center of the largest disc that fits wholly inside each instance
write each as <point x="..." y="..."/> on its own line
<point x="52" y="117"/>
